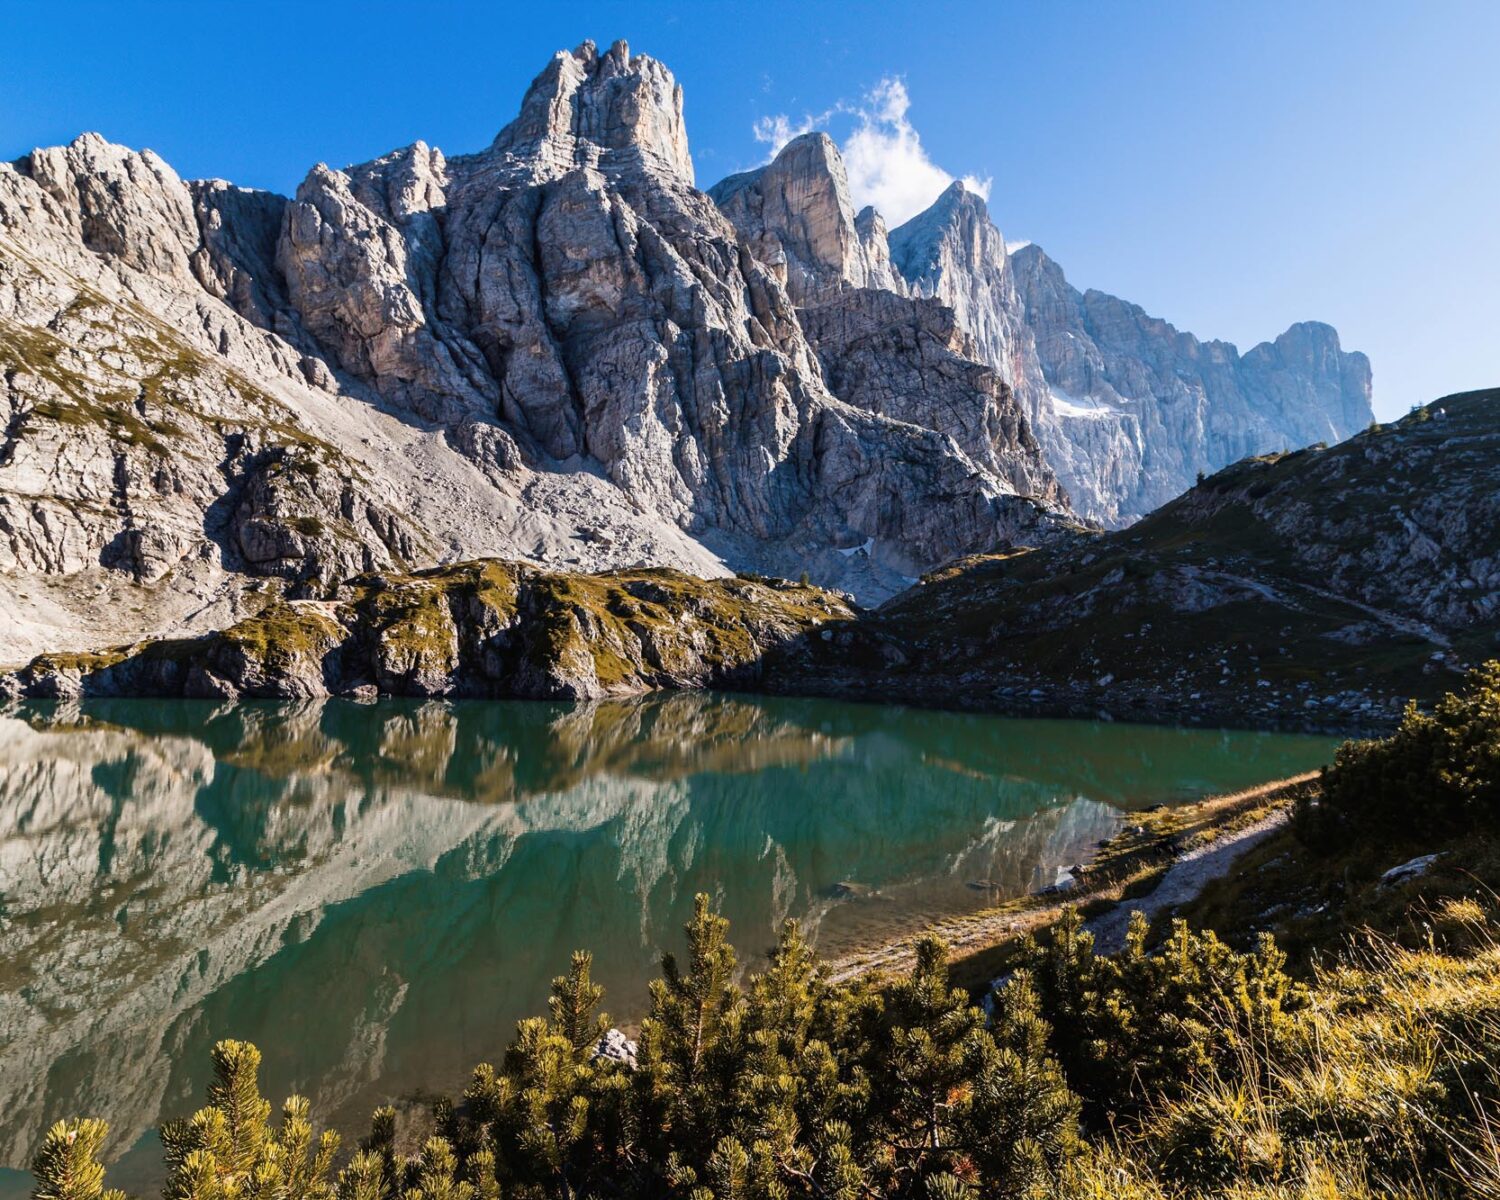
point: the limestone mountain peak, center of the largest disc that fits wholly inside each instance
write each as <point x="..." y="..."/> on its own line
<point x="799" y="215"/>
<point x="592" y="109"/>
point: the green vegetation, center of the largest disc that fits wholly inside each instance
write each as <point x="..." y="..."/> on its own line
<point x="1320" y="585"/>
<point x="1424" y="797"/>
<point x="282" y="637"/>
<point x="1189" y="1071"/>
<point x="1439" y="770"/>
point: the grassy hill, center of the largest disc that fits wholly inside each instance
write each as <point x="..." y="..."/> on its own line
<point x="1320" y="586"/>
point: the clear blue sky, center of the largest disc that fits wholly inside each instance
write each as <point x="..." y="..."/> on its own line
<point x="1231" y="167"/>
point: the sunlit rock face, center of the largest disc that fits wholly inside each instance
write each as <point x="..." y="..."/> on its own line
<point x="908" y="358"/>
<point x="1128" y="409"/>
<point x="556" y="348"/>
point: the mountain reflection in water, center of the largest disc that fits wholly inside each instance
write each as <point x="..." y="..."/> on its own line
<point x="376" y="893"/>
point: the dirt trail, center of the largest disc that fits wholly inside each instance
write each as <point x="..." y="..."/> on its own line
<point x="1184" y="879"/>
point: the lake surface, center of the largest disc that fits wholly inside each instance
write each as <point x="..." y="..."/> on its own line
<point x="375" y="893"/>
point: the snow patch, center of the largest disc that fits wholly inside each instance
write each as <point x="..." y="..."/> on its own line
<point x="1087" y="409"/>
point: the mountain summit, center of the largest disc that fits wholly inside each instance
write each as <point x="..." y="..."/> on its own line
<point x="557" y="350"/>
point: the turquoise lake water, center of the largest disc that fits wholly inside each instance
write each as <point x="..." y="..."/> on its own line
<point x="375" y="893"/>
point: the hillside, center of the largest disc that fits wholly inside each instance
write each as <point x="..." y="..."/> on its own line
<point x="1315" y="589"/>
<point x="1319" y="587"/>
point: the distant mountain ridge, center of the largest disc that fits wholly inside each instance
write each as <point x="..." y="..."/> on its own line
<point x="1127" y="409"/>
<point x="558" y="350"/>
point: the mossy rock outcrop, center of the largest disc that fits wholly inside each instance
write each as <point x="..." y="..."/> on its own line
<point x="482" y="628"/>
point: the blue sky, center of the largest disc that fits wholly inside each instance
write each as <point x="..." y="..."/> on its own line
<point x="1230" y="167"/>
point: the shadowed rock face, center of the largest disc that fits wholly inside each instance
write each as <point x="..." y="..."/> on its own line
<point x="1319" y="588"/>
<point x="556" y="349"/>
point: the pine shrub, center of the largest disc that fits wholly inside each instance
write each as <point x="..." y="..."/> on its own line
<point x="1183" y="1070"/>
<point x="1439" y="773"/>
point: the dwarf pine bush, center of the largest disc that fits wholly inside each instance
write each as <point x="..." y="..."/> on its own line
<point x="1188" y="1070"/>
<point x="1140" y="1026"/>
<point x="1438" y="773"/>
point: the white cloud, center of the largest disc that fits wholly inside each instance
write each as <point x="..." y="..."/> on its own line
<point x="888" y="165"/>
<point x="778" y="130"/>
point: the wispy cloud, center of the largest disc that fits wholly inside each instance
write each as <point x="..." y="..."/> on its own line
<point x="888" y="165"/>
<point x="776" y="131"/>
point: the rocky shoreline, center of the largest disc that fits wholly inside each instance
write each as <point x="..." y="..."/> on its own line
<point x="1159" y="863"/>
<point x="495" y="630"/>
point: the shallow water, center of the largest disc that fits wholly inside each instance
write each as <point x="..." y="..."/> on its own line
<point x="374" y="894"/>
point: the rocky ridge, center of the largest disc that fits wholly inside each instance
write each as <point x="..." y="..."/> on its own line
<point x="1314" y="589"/>
<point x="487" y="628"/>
<point x="1128" y="409"/>
<point x="555" y="349"/>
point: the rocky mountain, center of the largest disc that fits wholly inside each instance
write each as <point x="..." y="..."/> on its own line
<point x="556" y="349"/>
<point x="1318" y="588"/>
<point x="904" y="357"/>
<point x="1128" y="409"/>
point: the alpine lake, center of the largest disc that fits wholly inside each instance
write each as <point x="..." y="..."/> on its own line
<point x="375" y="893"/>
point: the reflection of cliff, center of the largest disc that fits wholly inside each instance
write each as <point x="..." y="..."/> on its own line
<point x="315" y="877"/>
<point x="492" y="751"/>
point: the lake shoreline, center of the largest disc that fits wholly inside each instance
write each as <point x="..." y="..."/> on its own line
<point x="1178" y="850"/>
<point x="1069" y="703"/>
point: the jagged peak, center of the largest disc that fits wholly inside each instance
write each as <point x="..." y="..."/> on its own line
<point x="814" y="141"/>
<point x="799" y="216"/>
<point x="808" y="152"/>
<point x="958" y="219"/>
<point x="585" y="108"/>
<point x="93" y="153"/>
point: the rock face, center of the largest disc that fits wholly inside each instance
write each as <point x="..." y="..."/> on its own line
<point x="1118" y="379"/>
<point x="798" y="218"/>
<point x="555" y="349"/>
<point x="884" y="352"/>
<point x="1127" y="409"/>
<point x="909" y="360"/>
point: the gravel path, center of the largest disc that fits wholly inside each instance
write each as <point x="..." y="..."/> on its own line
<point x="1183" y="881"/>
